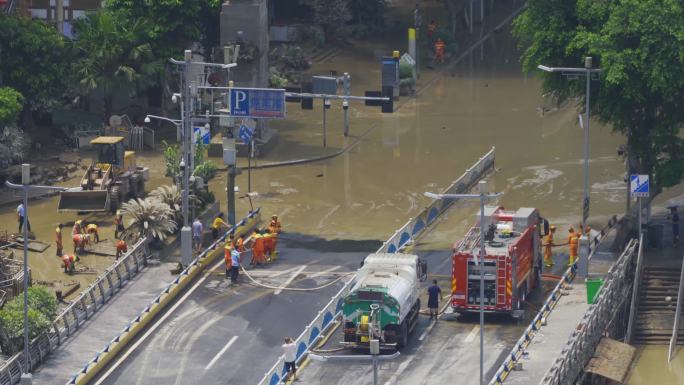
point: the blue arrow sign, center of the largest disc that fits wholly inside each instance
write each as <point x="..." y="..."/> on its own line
<point x="638" y="185"/>
<point x="245" y="134"/>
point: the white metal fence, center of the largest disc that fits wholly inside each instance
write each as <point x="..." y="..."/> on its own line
<point x="678" y="312"/>
<point x="402" y="237"/>
<point x="81" y="309"/>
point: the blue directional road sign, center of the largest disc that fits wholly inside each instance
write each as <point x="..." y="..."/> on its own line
<point x="638" y="185"/>
<point x="245" y="134"/>
<point x="257" y="103"/>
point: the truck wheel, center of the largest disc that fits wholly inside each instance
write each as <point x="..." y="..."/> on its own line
<point x="114" y="198"/>
<point x="403" y="335"/>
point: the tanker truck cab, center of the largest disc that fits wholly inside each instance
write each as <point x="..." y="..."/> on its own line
<point x="384" y="301"/>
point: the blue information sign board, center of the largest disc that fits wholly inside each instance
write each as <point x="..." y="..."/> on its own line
<point x="257" y="103"/>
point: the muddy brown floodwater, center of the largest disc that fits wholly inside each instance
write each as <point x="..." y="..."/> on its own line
<point x="368" y="192"/>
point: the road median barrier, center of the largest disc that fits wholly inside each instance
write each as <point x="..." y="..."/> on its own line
<point x="170" y="292"/>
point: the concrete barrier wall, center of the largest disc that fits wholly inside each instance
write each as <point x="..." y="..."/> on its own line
<point x="408" y="233"/>
<point x="81" y="309"/>
<point x="204" y="259"/>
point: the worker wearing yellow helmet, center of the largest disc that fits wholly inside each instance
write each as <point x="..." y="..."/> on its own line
<point x="548" y="244"/>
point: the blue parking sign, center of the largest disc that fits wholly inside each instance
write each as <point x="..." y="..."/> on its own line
<point x="245" y="134"/>
<point x="257" y="103"/>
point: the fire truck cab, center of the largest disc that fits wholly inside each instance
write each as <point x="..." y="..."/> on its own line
<point x="512" y="263"/>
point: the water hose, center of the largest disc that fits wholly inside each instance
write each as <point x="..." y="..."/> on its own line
<point x="293" y="288"/>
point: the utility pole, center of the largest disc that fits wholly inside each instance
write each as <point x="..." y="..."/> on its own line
<point x="482" y="196"/>
<point x="573" y="73"/>
<point x="26" y="378"/>
<point x="346" y="82"/>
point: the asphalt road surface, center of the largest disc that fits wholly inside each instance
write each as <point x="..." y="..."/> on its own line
<point x="218" y="333"/>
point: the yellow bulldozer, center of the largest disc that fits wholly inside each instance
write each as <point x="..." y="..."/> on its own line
<point x="112" y="178"/>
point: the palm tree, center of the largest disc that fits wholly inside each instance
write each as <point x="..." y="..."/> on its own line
<point x="149" y="216"/>
<point x="115" y="55"/>
<point x="171" y="195"/>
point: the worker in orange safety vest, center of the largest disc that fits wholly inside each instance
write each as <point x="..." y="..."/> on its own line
<point x="258" y="256"/>
<point x="121" y="248"/>
<point x="431" y="29"/>
<point x="440" y="46"/>
<point x="78" y="228"/>
<point x="69" y="262"/>
<point x="91" y="230"/>
<point x="58" y="239"/>
<point x="228" y="258"/>
<point x="80" y="241"/>
<point x="573" y="241"/>
<point x="548" y="244"/>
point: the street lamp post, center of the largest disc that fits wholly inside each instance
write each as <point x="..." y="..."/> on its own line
<point x="572" y="72"/>
<point x="482" y="196"/>
<point x="26" y="378"/>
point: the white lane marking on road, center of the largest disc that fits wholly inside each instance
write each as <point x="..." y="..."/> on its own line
<point x="155" y="326"/>
<point x="220" y="353"/>
<point x="324" y="272"/>
<point x="400" y="371"/>
<point x="289" y="280"/>
<point x="326" y="216"/>
<point x="427" y="330"/>
<point x="473" y="333"/>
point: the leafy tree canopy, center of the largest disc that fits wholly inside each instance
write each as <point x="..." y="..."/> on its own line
<point x="41" y="312"/>
<point x="173" y="24"/>
<point x="639" y="45"/>
<point x="114" y="54"/>
<point x="11" y="103"/>
<point x="35" y="60"/>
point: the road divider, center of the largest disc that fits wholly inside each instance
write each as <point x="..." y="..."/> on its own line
<point x="170" y="292"/>
<point x="403" y="237"/>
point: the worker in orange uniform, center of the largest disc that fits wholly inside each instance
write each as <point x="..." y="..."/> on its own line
<point x="92" y="232"/>
<point x="69" y="262"/>
<point x="217" y="225"/>
<point x="268" y="245"/>
<point x="440" y="46"/>
<point x="258" y="257"/>
<point x="121" y="248"/>
<point x="228" y="258"/>
<point x="275" y="226"/>
<point x="573" y="241"/>
<point x="240" y="244"/>
<point x="78" y="228"/>
<point x="431" y="29"/>
<point x="80" y="240"/>
<point x="58" y="239"/>
<point x="548" y="244"/>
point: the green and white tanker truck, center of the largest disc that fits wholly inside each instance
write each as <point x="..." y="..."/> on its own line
<point x="384" y="301"/>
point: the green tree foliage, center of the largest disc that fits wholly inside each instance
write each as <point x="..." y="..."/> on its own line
<point x="35" y="60"/>
<point x="639" y="45"/>
<point x="331" y="15"/>
<point x="172" y="160"/>
<point x="41" y="312"/>
<point x="173" y="24"/>
<point x="115" y="55"/>
<point x="11" y="103"/>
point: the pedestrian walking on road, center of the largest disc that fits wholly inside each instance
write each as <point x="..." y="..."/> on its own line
<point x="434" y="292"/>
<point x="197" y="229"/>
<point x="675" y="226"/>
<point x="58" y="239"/>
<point x="290" y="350"/>
<point x="21" y="218"/>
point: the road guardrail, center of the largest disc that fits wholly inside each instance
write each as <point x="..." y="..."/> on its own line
<point x="409" y="232"/>
<point x="546" y="309"/>
<point x="81" y="309"/>
<point x="170" y="292"/>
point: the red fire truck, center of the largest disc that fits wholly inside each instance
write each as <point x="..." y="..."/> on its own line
<point x="512" y="264"/>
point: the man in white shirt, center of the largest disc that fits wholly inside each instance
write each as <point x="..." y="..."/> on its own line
<point x="290" y="350"/>
<point x="21" y="217"/>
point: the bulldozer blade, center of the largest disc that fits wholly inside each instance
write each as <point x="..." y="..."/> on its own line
<point x="84" y="201"/>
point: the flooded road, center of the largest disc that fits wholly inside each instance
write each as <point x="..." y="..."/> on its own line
<point x="371" y="190"/>
<point x="652" y="367"/>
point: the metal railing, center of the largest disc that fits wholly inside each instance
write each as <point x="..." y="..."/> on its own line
<point x="596" y="322"/>
<point x="546" y="309"/>
<point x="678" y="312"/>
<point x="81" y="309"/>
<point x="634" y="303"/>
<point x="201" y="261"/>
<point x="410" y="231"/>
